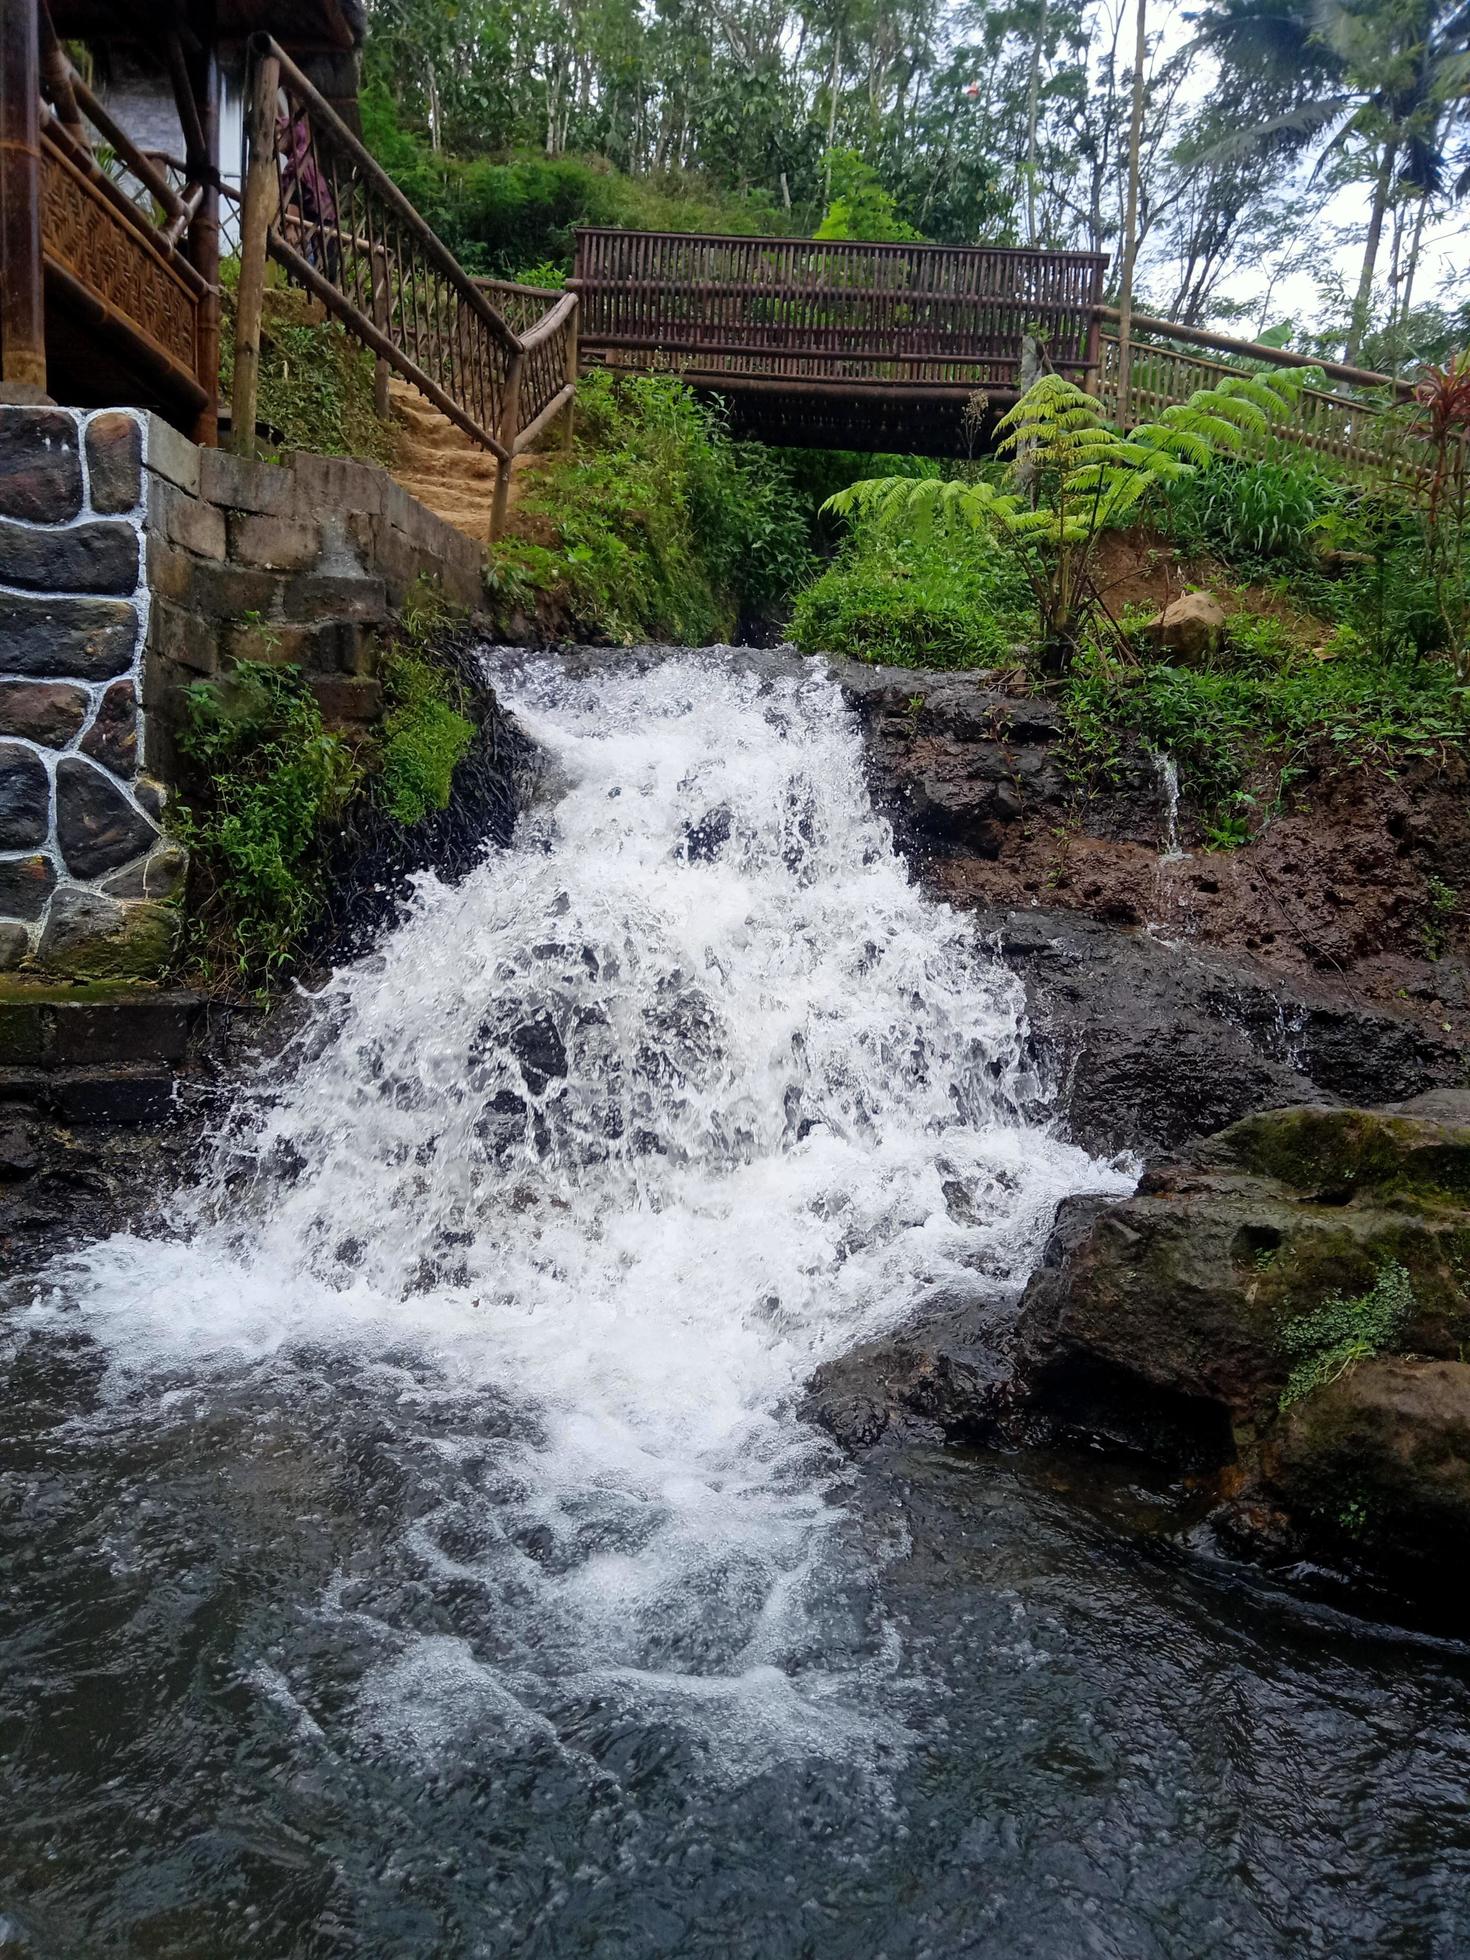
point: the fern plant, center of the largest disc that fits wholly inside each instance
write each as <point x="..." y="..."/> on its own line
<point x="1070" y="476"/>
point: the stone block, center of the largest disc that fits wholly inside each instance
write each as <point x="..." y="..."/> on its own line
<point x="25" y="798"/>
<point x="170" y="570"/>
<point x="24" y="1034"/>
<point x="48" y="712"/>
<point x="92" y="937"/>
<point x="99" y="557"/>
<point x="139" y="1095"/>
<point x="187" y="521"/>
<point x="19" y="1156"/>
<point x="85" y="639"/>
<point x="347" y="703"/>
<point x="173" y="457"/>
<point x="114" y="442"/>
<point x="270" y="642"/>
<point x="112" y="738"/>
<point x="159" y="876"/>
<point x="40" y="467"/>
<point x="319" y="595"/>
<point x="280" y="544"/>
<point x="358" y="648"/>
<point x="15" y="944"/>
<point x="179" y="637"/>
<point x="338" y="483"/>
<point x="97" y="826"/>
<point x="150" y="795"/>
<point x="147" y="1031"/>
<point x="227" y="591"/>
<point x="230" y="480"/>
<point x="25" y="885"/>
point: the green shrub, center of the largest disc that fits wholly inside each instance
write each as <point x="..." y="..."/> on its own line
<point x="658" y="526"/>
<point x="1249" y="513"/>
<point x="1328" y="1341"/>
<point x="272" y="781"/>
<point x="1226" y="727"/>
<point x="900" y="602"/>
<point x="425" y="738"/>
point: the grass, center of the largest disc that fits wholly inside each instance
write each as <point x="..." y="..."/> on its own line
<point x="1342" y="1332"/>
<point x="316" y="382"/>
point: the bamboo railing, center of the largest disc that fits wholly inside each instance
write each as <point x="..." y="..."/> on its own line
<point x="802" y="314"/>
<point x="1346" y="426"/>
<point x="317" y="203"/>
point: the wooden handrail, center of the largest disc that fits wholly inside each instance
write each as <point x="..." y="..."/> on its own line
<point x="1257" y="350"/>
<point x="318" y="204"/>
<point x="384" y="187"/>
<point x="823" y="246"/>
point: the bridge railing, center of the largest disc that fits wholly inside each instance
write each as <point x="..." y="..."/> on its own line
<point x="1346" y="426"/>
<point x="802" y="314"/>
<point x="317" y="203"/>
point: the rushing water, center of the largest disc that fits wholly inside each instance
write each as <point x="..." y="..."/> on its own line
<point x="421" y="1551"/>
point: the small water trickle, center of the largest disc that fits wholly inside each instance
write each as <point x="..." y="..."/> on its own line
<point x="1167" y="772"/>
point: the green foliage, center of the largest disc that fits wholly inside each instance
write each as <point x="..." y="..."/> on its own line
<point x="272" y="781"/>
<point x="658" y="526"/>
<point x="316" y="383"/>
<point x="1239" y="733"/>
<point x="1070" y="478"/>
<point x="502" y="216"/>
<point x="893" y="600"/>
<point x="858" y="205"/>
<point x="1249" y="513"/>
<point x="425" y="737"/>
<point x="1329" y="1340"/>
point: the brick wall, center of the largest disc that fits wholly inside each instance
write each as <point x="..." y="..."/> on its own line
<point x="131" y="564"/>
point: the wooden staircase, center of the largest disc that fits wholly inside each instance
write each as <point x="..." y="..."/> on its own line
<point x="439" y="464"/>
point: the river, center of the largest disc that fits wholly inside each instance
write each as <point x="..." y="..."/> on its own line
<point x="421" y="1551"/>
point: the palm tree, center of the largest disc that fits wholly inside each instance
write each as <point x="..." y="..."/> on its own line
<point x="1390" y="75"/>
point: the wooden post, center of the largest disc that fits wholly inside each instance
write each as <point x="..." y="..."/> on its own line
<point x="262" y="191"/>
<point x="22" y="284"/>
<point x="573" y="359"/>
<point x="510" y="417"/>
<point x="378" y="261"/>
<point x="202" y="166"/>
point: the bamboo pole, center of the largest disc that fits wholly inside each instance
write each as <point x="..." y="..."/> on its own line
<point x="262" y="190"/>
<point x="510" y="415"/>
<point x="22" y="289"/>
<point x="569" y="433"/>
<point x="200" y="80"/>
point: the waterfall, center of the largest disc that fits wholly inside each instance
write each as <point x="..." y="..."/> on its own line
<point x="574" y="1181"/>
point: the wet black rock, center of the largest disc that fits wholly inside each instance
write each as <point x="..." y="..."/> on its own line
<point x="1149" y="1043"/>
<point x="25" y="798"/>
<point x="98" y="827"/>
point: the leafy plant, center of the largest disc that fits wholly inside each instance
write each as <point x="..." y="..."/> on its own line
<point x="1249" y="513"/>
<point x="895" y="600"/>
<point x="424" y="739"/>
<point x="1341" y="1332"/>
<point x="1072" y="477"/>
<point x="1442" y="421"/>
<point x="271" y="781"/>
<point x="659" y="525"/>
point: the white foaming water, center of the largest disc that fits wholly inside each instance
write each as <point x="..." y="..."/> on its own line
<point x="602" y="1153"/>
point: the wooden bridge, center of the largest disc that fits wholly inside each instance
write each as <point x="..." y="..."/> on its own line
<point x="111" y="262"/>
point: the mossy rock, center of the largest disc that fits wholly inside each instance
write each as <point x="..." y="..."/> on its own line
<point x="1338" y="1155"/>
<point x="92" y="937"/>
<point x="1379" y="1462"/>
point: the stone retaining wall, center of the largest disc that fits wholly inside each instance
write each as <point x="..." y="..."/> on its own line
<point x="132" y="564"/>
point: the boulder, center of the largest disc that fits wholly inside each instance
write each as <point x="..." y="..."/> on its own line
<point x="1284" y="1306"/>
<point x="1189" y="631"/>
<point x="92" y="937"/>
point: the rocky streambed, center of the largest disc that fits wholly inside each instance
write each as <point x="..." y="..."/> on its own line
<point x="1280" y="1314"/>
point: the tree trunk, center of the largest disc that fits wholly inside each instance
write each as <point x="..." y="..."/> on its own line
<point x="1033" y="94"/>
<point x="1130" y="225"/>
<point x="1362" y="305"/>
